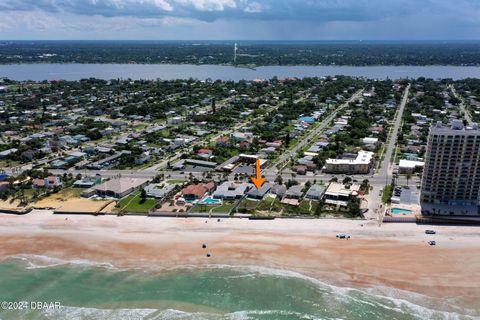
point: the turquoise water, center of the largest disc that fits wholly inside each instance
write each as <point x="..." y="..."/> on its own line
<point x="400" y="211"/>
<point x="210" y="200"/>
<point x="89" y="292"/>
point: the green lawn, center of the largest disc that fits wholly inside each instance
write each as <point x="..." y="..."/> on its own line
<point x="133" y="203"/>
<point x="247" y="206"/>
<point x="226" y="207"/>
<point x="387" y="193"/>
<point x="200" y="208"/>
<point x="270" y="204"/>
<point x="302" y="209"/>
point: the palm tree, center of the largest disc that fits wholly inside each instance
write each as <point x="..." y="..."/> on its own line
<point x="409" y="176"/>
<point x="395" y="176"/>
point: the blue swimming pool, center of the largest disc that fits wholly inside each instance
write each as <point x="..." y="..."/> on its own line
<point x="211" y="201"/>
<point x="400" y="211"/>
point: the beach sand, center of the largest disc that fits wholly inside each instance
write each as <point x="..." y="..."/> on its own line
<point x="391" y="256"/>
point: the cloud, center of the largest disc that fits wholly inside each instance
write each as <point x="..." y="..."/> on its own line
<point x="240" y="19"/>
<point x="253" y="7"/>
<point x="209" y="10"/>
<point x="208" y="5"/>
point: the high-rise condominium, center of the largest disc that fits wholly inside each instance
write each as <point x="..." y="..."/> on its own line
<point x="451" y="177"/>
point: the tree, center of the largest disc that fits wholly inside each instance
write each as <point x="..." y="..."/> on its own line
<point x="353" y="206"/>
<point x="287" y="139"/>
<point x="213" y="105"/>
<point x="408" y="176"/>
<point x="279" y="180"/>
<point x="395" y="177"/>
<point x="319" y="209"/>
<point x="365" y="185"/>
<point x="347" y="180"/>
<point x="143" y="196"/>
<point x="307" y="186"/>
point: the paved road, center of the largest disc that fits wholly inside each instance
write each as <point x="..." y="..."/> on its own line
<point x="382" y="176"/>
<point x="323" y="125"/>
<point x="464" y="110"/>
<point x="163" y="164"/>
<point x="377" y="180"/>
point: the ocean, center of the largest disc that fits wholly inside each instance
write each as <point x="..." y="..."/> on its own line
<point x="83" y="290"/>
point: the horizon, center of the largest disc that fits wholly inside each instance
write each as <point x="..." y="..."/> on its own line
<point x="251" y="40"/>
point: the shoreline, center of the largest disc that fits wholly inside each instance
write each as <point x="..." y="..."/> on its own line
<point x="241" y="67"/>
<point x="394" y="256"/>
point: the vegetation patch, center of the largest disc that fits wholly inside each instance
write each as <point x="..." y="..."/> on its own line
<point x="136" y="204"/>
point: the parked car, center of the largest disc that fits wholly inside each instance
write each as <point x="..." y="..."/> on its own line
<point x="432" y="243"/>
<point x="343" y="236"/>
<point x="430" y="232"/>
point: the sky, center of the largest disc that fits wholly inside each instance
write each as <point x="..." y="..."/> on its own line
<point x="240" y="19"/>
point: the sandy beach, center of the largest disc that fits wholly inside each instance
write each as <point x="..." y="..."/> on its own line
<point x="393" y="255"/>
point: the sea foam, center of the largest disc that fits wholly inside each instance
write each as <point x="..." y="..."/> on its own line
<point x="380" y="297"/>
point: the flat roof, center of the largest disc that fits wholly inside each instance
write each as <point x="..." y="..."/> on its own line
<point x="363" y="157"/>
<point x="201" y="163"/>
<point x="336" y="188"/>
<point x="410" y="164"/>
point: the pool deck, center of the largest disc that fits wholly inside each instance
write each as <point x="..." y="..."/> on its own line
<point x="413" y="208"/>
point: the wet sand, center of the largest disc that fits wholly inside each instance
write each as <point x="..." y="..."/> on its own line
<point x="393" y="255"/>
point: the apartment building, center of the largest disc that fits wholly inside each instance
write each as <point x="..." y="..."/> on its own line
<point x="359" y="163"/>
<point x="451" y="176"/>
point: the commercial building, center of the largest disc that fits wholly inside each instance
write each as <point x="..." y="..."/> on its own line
<point x="409" y="166"/>
<point x="361" y="163"/>
<point x="242" y="160"/>
<point x="451" y="176"/>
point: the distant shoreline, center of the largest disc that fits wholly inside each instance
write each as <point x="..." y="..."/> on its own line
<point x="244" y="67"/>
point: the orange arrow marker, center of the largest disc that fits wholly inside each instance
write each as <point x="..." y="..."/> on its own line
<point x="258" y="181"/>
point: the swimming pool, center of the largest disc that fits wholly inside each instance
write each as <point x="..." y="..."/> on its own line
<point x="400" y="211"/>
<point x="211" y="201"/>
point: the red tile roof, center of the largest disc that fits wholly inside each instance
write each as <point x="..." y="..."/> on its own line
<point x="198" y="190"/>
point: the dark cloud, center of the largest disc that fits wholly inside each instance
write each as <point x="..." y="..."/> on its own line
<point x="210" y="10"/>
<point x="240" y="19"/>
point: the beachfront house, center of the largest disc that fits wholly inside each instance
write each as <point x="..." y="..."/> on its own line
<point x="48" y="182"/>
<point x="315" y="192"/>
<point x="259" y="194"/>
<point x="338" y="194"/>
<point x="231" y="191"/>
<point x="197" y="191"/>
<point x="119" y="187"/>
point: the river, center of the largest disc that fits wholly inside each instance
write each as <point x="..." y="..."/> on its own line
<point x="71" y="71"/>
